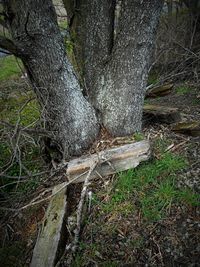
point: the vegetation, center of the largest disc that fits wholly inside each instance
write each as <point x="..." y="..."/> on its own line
<point x="152" y="186"/>
<point x="182" y="90"/>
<point x="10" y="68"/>
<point x="150" y="190"/>
<point x="18" y="105"/>
<point x="129" y="211"/>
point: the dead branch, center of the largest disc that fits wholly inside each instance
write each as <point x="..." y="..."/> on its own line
<point x="80" y="207"/>
<point x="41" y="132"/>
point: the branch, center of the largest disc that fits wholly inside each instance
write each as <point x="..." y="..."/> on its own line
<point x="8" y="45"/>
<point x="27" y="130"/>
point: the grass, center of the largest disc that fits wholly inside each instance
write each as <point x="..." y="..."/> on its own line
<point x="138" y="137"/>
<point x="152" y="186"/>
<point x="10" y="67"/>
<point x="182" y="90"/>
<point x="149" y="190"/>
<point x="20" y="107"/>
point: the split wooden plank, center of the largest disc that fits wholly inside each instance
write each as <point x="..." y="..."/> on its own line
<point x="50" y="238"/>
<point x="109" y="161"/>
<point x="161" y="113"/>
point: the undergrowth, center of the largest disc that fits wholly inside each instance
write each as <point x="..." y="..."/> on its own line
<point x="182" y="90"/>
<point x="152" y="186"/>
<point x="18" y="106"/>
<point x="148" y="193"/>
<point x="10" y="67"/>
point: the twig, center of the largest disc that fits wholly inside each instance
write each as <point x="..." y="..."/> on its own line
<point x="23" y="177"/>
<point x="80" y="207"/>
<point x="33" y="202"/>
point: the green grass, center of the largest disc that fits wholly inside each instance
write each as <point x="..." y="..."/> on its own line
<point x="138" y="137"/>
<point x="63" y="24"/>
<point x="16" y="107"/>
<point x="152" y="186"/>
<point x="9" y="67"/>
<point x="10" y="109"/>
<point x="182" y="90"/>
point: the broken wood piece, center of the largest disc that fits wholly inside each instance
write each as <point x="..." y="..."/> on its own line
<point x="109" y="161"/>
<point x="50" y="238"/>
<point x="161" y="114"/>
<point x="190" y="128"/>
<point x="161" y="90"/>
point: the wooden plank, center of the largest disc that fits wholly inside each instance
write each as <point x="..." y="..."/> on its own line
<point x="188" y="127"/>
<point x="109" y="161"/>
<point x="51" y="236"/>
<point x="161" y="113"/>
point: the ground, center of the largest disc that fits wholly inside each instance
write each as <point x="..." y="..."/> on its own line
<point x="149" y="216"/>
<point x="146" y="217"/>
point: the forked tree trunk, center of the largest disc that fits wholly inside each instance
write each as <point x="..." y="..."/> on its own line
<point x="66" y="112"/>
<point x="115" y="71"/>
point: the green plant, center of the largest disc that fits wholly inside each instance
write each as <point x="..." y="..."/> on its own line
<point x="138" y="137"/>
<point x="152" y="186"/>
<point x="182" y="90"/>
<point x="189" y="197"/>
<point x="10" y="67"/>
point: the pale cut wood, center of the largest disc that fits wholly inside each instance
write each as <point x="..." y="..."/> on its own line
<point x="50" y="238"/>
<point x="161" y="113"/>
<point x="109" y="161"/>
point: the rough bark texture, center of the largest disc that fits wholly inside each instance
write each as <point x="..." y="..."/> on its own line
<point x="92" y="27"/>
<point x="66" y="112"/>
<point x="116" y="73"/>
<point x="120" y="87"/>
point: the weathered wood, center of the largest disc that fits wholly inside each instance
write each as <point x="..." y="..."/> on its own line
<point x="190" y="128"/>
<point x="51" y="236"/>
<point x="161" y="113"/>
<point x="160" y="90"/>
<point x="109" y="161"/>
<point x="49" y="242"/>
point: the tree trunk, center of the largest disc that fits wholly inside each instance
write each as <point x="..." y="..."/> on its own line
<point x="116" y="78"/>
<point x="65" y="111"/>
<point x="92" y="30"/>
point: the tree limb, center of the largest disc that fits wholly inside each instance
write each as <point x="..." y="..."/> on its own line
<point x="8" y="45"/>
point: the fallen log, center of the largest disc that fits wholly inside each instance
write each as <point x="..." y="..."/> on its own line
<point x="158" y="91"/>
<point x="109" y="161"/>
<point x="189" y="128"/>
<point x="50" y="238"/>
<point x="161" y="114"/>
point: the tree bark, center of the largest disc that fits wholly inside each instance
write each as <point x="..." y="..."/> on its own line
<point x="34" y="29"/>
<point x="121" y="86"/>
<point x="92" y="30"/>
<point x="116" y="71"/>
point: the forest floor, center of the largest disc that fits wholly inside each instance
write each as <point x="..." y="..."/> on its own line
<point x="149" y="216"/>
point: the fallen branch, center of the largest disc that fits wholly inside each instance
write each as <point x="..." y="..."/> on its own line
<point x="80" y="208"/>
